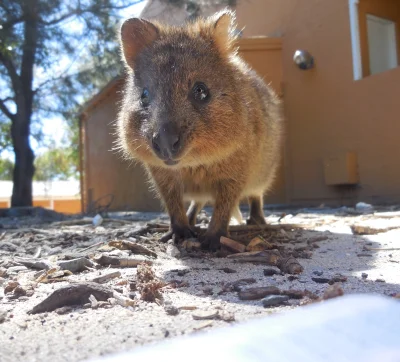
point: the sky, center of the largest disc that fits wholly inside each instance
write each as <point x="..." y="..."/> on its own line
<point x="54" y="128"/>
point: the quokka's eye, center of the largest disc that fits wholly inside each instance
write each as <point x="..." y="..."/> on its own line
<point x="200" y="92"/>
<point x="145" y="98"/>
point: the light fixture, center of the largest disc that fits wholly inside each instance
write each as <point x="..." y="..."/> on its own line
<point x="303" y="59"/>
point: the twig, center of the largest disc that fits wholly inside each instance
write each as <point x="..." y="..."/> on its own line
<point x="127" y="222"/>
<point x="106" y="277"/>
<point x="92" y="246"/>
<point x="379" y="249"/>
<point x="235" y="228"/>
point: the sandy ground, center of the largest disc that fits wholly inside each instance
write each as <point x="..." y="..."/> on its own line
<point x="196" y="281"/>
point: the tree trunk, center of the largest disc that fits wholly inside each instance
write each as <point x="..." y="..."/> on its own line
<point x="23" y="168"/>
<point x="20" y="128"/>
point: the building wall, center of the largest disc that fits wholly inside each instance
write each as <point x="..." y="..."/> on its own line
<point x="105" y="173"/>
<point x="327" y="112"/>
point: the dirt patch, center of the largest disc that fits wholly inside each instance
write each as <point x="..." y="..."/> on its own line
<point x="108" y="288"/>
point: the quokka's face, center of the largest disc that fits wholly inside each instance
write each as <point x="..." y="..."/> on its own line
<point x="180" y="98"/>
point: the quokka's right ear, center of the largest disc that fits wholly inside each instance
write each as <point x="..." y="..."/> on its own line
<point x="135" y="35"/>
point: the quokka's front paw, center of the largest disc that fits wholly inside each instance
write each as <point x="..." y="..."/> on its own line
<point x="178" y="233"/>
<point x="211" y="241"/>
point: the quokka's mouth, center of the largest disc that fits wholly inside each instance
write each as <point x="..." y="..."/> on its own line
<point x="170" y="162"/>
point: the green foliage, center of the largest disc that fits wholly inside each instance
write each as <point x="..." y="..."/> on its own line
<point x="6" y="169"/>
<point x="57" y="163"/>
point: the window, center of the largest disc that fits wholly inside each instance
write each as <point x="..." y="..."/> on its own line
<point x="382" y="48"/>
<point x="375" y="31"/>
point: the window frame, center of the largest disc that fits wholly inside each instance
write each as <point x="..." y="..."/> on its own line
<point x="358" y="11"/>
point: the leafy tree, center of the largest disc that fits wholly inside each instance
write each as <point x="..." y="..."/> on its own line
<point x="56" y="163"/>
<point x="54" y="54"/>
<point x="6" y="169"/>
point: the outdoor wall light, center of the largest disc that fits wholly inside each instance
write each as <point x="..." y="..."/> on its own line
<point x="303" y="59"/>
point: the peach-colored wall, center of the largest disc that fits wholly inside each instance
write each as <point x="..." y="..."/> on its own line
<point x="67" y="206"/>
<point x="326" y="110"/>
<point x="105" y="172"/>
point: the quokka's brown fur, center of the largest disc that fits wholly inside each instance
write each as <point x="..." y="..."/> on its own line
<point x="205" y="126"/>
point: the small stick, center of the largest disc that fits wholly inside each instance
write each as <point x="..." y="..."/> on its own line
<point x="157" y="225"/>
<point x="235" y="228"/>
<point x="122" y="221"/>
<point x="232" y="245"/>
<point x="92" y="246"/>
<point x="379" y="249"/>
<point x="73" y="222"/>
<point x="106" y="277"/>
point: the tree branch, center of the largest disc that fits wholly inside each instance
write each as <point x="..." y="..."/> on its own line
<point x="79" y="11"/>
<point x="11" y="70"/>
<point x="10" y="23"/>
<point x="5" y="110"/>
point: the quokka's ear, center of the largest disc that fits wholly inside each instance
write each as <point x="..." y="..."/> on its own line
<point x="135" y="35"/>
<point x="224" y="23"/>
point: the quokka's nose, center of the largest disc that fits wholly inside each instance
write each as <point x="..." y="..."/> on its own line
<point x="166" y="143"/>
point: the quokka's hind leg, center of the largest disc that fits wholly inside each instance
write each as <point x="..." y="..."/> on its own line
<point x="193" y="210"/>
<point x="237" y="214"/>
<point x="256" y="211"/>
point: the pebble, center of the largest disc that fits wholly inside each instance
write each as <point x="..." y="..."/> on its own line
<point x="16" y="269"/>
<point x="3" y="315"/>
<point x="182" y="272"/>
<point x="173" y="251"/>
<point x="171" y="310"/>
<point x="380" y="280"/>
<point x="274" y="300"/>
<point x="202" y="315"/>
<point x="3" y="272"/>
<point x="318" y="272"/>
<point x="229" y="270"/>
<point x="270" y="272"/>
<point x="364" y="275"/>
<point x="320" y="280"/>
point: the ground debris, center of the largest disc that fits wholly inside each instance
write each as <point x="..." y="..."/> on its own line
<point x="171" y="310"/>
<point x="106" y="277"/>
<point x="237" y="286"/>
<point x="290" y="265"/>
<point x="73" y="294"/>
<point x="41" y="264"/>
<point x="258" y="293"/>
<point x="133" y="247"/>
<point x="53" y="275"/>
<point x="173" y="251"/>
<point x="274" y="300"/>
<point x="3" y="272"/>
<point x="333" y="291"/>
<point x="115" y="261"/>
<point x="148" y="284"/>
<point x="122" y="300"/>
<point x="232" y="245"/>
<point x="259" y="244"/>
<point x="207" y="315"/>
<point x="270" y="257"/>
<point x="270" y="272"/>
<point x="203" y="325"/>
<point x="320" y="280"/>
<point x="372" y="227"/>
<point x="203" y="315"/>
<point x="295" y="294"/>
<point x="75" y="265"/>
<point x="228" y="270"/>
<point x="191" y="244"/>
